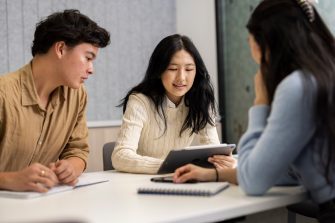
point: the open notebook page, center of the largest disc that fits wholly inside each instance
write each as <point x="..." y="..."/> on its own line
<point x="84" y="180"/>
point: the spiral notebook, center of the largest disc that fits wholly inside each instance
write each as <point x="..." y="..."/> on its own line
<point x="194" y="189"/>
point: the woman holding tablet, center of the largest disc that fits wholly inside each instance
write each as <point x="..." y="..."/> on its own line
<point x="292" y="123"/>
<point x="173" y="103"/>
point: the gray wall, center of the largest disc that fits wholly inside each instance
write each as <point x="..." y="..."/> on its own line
<point x="136" y="26"/>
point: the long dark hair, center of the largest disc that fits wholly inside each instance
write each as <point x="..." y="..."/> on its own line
<point x="293" y="37"/>
<point x="199" y="99"/>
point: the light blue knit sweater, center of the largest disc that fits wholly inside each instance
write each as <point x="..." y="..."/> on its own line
<point x="282" y="137"/>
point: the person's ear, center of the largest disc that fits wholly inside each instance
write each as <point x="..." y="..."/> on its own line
<point x="60" y="48"/>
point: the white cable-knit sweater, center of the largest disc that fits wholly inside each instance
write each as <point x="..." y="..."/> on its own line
<point x="142" y="144"/>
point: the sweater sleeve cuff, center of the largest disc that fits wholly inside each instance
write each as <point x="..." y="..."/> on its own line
<point x="258" y="116"/>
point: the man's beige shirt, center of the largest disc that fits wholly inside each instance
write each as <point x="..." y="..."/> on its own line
<point x="30" y="134"/>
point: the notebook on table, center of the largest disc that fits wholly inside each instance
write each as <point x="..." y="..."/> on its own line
<point x="84" y="180"/>
<point x="191" y="189"/>
<point x="197" y="155"/>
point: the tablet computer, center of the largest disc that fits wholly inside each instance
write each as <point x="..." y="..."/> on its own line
<point x="197" y="155"/>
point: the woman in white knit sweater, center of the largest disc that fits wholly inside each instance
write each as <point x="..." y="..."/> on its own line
<point x="173" y="103"/>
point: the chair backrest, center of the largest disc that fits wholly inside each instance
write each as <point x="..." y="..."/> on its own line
<point x="107" y="151"/>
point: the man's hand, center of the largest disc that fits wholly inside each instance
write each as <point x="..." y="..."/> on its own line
<point x="35" y="177"/>
<point x="68" y="170"/>
<point x="65" y="172"/>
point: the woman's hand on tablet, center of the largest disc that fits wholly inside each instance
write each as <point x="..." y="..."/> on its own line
<point x="223" y="162"/>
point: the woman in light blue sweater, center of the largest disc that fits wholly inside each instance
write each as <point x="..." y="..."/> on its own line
<point x="292" y="123"/>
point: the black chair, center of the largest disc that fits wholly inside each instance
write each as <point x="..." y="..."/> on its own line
<point x="107" y="151"/>
<point x="306" y="208"/>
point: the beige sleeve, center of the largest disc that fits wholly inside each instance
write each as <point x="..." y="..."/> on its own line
<point x="1" y="117"/>
<point x="77" y="145"/>
<point x="125" y="157"/>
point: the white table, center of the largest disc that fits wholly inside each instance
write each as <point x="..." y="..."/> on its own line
<point x="118" y="201"/>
